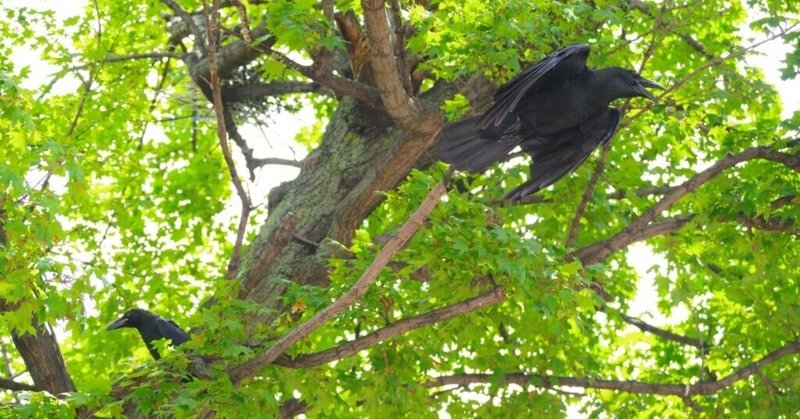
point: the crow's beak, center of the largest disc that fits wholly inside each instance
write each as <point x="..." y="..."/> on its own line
<point x="643" y="84"/>
<point x="116" y="324"/>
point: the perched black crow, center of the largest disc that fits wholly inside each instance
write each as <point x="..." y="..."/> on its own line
<point x="151" y="327"/>
<point x="556" y="110"/>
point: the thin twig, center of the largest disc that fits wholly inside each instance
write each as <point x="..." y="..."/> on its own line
<point x="212" y="25"/>
<point x="157" y="92"/>
<point x="87" y="89"/>
<point x="601" y="163"/>
<point x="305" y="241"/>
<point x="276" y="161"/>
<point x="665" y="334"/>
<point x="645" y="191"/>
<point x="696" y="45"/>
<point x="587" y="195"/>
<point x="713" y="63"/>
<point x="6" y="361"/>
<point x="409" y="113"/>
<point x="233" y="132"/>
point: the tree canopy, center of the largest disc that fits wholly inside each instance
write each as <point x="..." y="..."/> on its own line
<point x="137" y="146"/>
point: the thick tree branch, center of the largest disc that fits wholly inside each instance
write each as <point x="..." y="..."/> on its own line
<point x="598" y="252"/>
<point x="378" y="158"/>
<point x="357" y="46"/>
<point x="355" y="293"/>
<point x="43" y="358"/>
<point x="277" y="242"/>
<point x="628" y="386"/>
<point x="243" y="20"/>
<point x="255" y="92"/>
<point x="786" y="200"/>
<point x="394" y="163"/>
<point x="39" y="350"/>
<point x="7" y="384"/>
<point x="771" y="224"/>
<point x="341" y="86"/>
<point x="199" y="40"/>
<point x="350" y="348"/>
<point x="403" y="67"/>
<point x="229" y="58"/>
<point x="641" y="229"/>
<point x="409" y="113"/>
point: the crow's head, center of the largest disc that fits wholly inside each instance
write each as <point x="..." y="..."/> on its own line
<point x="131" y="318"/>
<point x="624" y="83"/>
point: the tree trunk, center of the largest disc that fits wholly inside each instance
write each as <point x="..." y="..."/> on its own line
<point x="43" y="359"/>
<point x="361" y="153"/>
<point x="40" y="351"/>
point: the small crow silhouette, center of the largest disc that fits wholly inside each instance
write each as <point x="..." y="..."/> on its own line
<point x="556" y="110"/>
<point x="151" y="327"/>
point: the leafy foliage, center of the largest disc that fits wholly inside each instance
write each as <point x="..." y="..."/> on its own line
<point x="114" y="193"/>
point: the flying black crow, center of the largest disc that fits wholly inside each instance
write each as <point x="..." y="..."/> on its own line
<point x="151" y="327"/>
<point x="556" y="110"/>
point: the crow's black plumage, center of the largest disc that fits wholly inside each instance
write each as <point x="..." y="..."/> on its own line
<point x="556" y="110"/>
<point x="151" y="327"/>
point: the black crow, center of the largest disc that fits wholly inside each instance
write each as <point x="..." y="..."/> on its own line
<point x="556" y="110"/>
<point x="151" y="327"/>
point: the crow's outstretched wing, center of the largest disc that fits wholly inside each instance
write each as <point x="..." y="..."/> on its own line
<point x="560" y="154"/>
<point x="170" y="330"/>
<point x="564" y="63"/>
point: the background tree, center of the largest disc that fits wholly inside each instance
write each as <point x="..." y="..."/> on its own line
<point x="351" y="290"/>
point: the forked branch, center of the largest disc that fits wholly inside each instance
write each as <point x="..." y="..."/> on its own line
<point x="355" y="293"/>
<point x="628" y="386"/>
<point x="350" y="348"/>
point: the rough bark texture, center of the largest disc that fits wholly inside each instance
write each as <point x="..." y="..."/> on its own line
<point x="354" y="294"/>
<point x="43" y="359"/>
<point x="361" y="154"/>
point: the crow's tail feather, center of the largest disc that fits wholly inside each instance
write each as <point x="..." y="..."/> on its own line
<point x="462" y="145"/>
